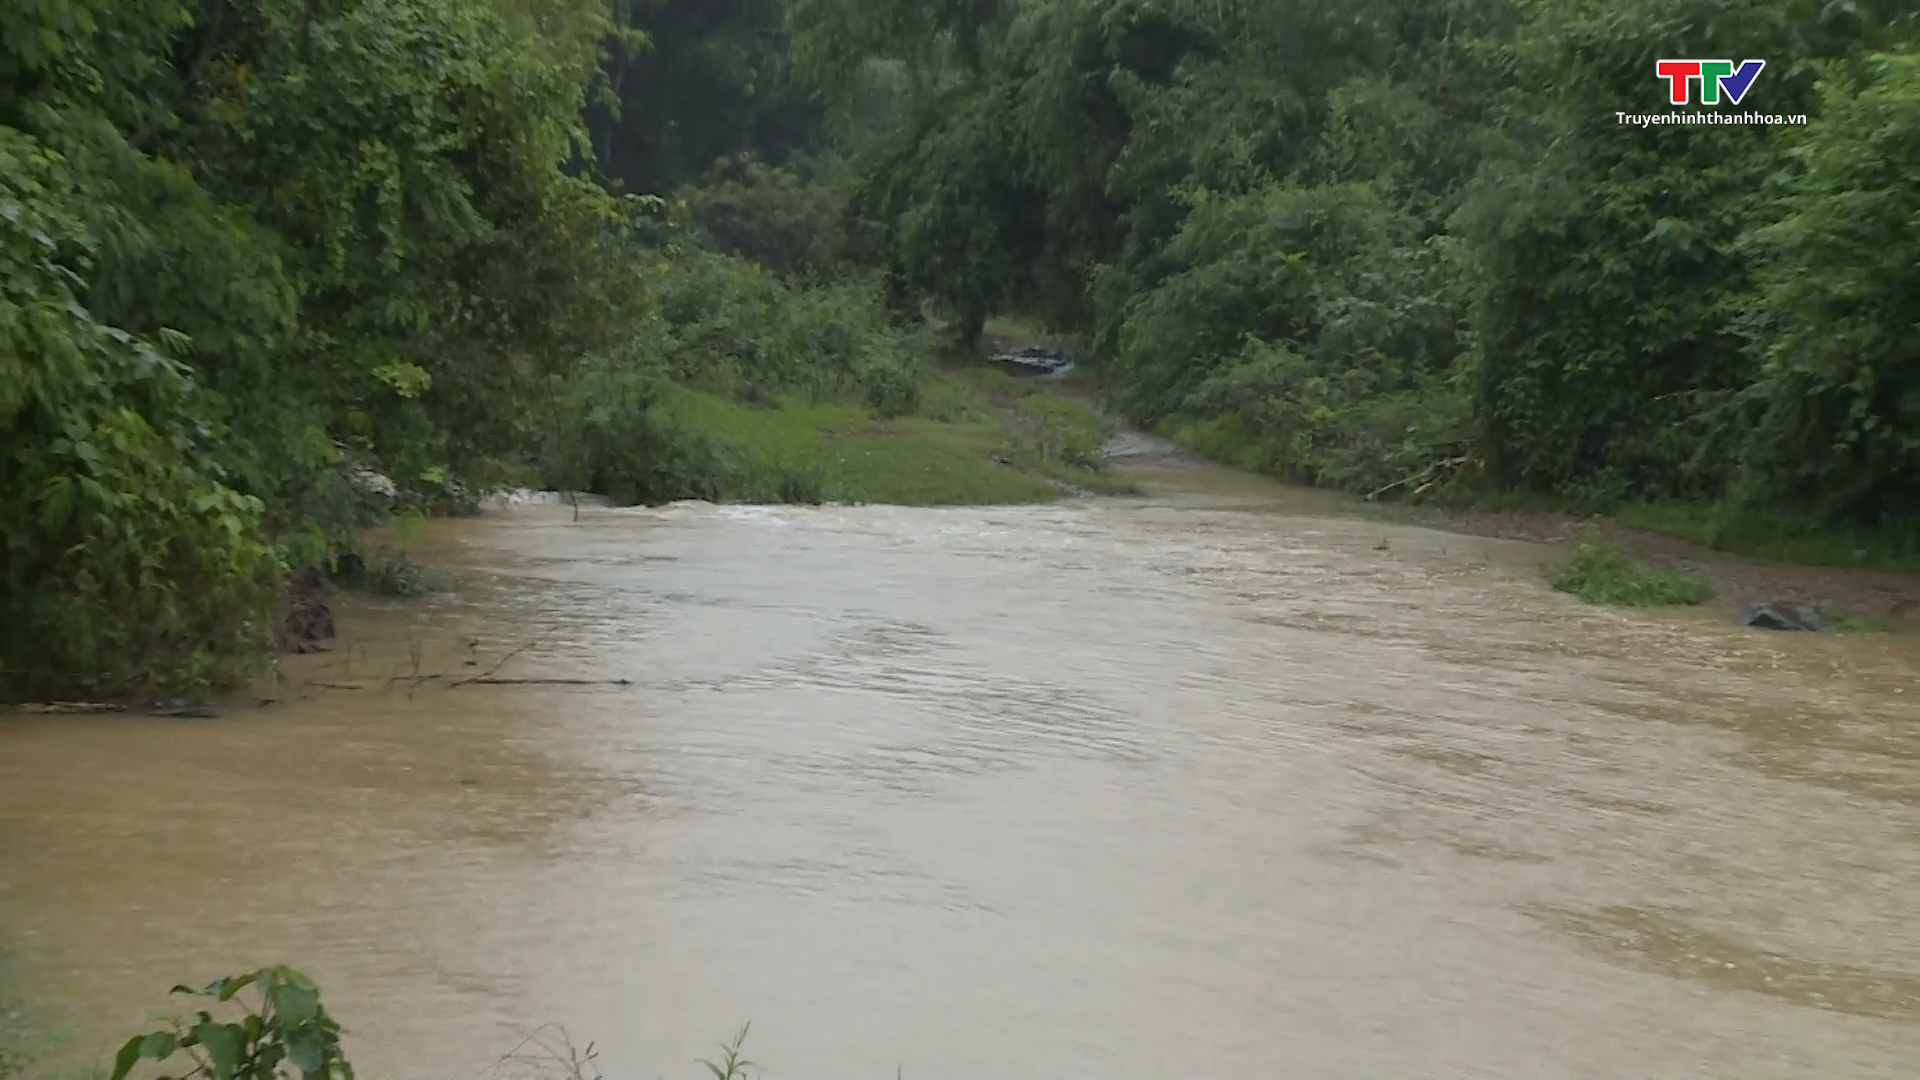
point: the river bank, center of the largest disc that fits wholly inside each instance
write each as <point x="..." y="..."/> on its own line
<point x="1870" y="599"/>
<point x="1880" y="598"/>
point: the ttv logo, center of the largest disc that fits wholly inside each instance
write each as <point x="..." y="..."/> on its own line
<point x="1716" y="76"/>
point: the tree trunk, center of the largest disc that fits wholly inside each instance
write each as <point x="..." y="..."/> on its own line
<point x="973" y="323"/>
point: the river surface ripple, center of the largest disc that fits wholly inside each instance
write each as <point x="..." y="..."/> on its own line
<point x="1187" y="784"/>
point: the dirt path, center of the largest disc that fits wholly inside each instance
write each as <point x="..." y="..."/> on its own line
<point x="1131" y="447"/>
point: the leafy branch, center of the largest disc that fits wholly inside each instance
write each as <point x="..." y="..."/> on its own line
<point x="289" y="1034"/>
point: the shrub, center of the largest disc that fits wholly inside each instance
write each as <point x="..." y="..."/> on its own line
<point x="891" y="390"/>
<point x="289" y="1033"/>
<point x="1066" y="431"/>
<point x="788" y="219"/>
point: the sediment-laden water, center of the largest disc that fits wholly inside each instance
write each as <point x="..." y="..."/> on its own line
<point x="1215" y="782"/>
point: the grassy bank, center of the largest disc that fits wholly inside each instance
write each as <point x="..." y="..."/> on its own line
<point x="1668" y="554"/>
<point x="1712" y="526"/>
<point x="976" y="438"/>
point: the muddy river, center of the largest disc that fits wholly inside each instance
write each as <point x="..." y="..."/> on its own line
<point x="1218" y="782"/>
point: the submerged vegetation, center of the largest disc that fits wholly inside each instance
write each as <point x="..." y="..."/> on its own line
<point x="1600" y="574"/>
<point x="289" y="1033"/>
<point x="20" y="1037"/>
<point x="253" y="252"/>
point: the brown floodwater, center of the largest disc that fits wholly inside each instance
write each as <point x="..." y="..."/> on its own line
<point x="1219" y="782"/>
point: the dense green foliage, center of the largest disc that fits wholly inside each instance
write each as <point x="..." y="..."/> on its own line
<point x="1385" y="243"/>
<point x="1833" y="325"/>
<point x="690" y="82"/>
<point x="246" y="244"/>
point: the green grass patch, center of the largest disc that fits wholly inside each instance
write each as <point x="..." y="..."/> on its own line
<point x="1778" y="538"/>
<point x="999" y="387"/>
<point x="1601" y="574"/>
<point x="1065" y="430"/>
<point x="1022" y="330"/>
<point x="812" y="451"/>
<point x="1066" y="440"/>
<point x="975" y="436"/>
<point x="1775" y="537"/>
<point x="1054" y="435"/>
<point x="962" y="396"/>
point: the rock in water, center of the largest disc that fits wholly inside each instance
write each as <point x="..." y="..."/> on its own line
<point x="1784" y="617"/>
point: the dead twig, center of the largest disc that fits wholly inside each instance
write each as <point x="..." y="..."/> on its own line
<point x="68" y="708"/>
<point x="555" y="1047"/>
<point x="502" y="662"/>
<point x="482" y="681"/>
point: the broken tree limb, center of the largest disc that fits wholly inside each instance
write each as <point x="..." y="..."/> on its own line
<point x="1426" y="477"/>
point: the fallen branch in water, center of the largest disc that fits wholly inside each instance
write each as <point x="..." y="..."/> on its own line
<point x="68" y="708"/>
<point x="483" y="681"/>
<point x="502" y="662"/>
<point x="171" y="707"/>
<point x="488" y="678"/>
